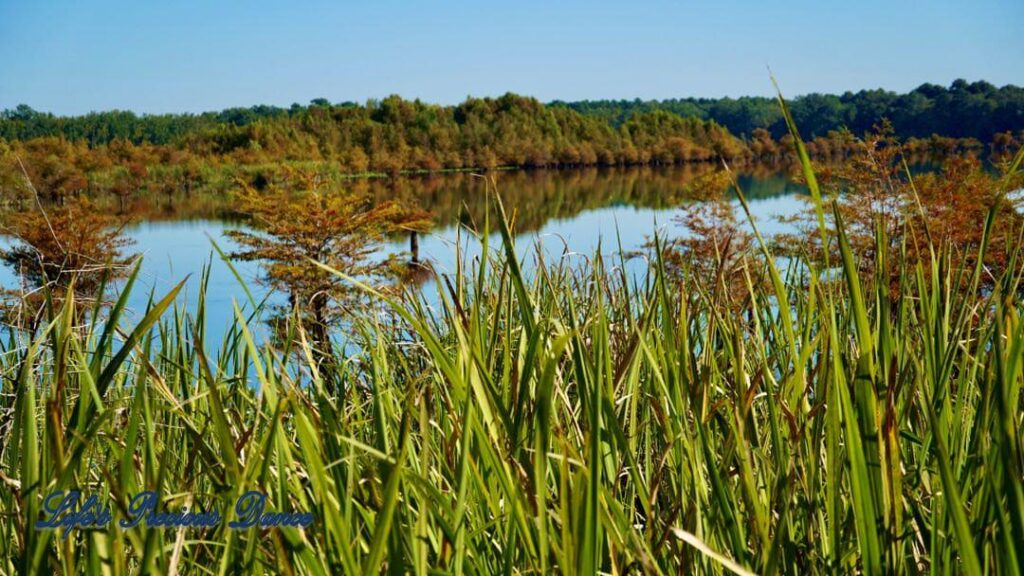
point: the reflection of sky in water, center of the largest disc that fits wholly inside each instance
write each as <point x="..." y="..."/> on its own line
<point x="582" y="234"/>
<point x="173" y="250"/>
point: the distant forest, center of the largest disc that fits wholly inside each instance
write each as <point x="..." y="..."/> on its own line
<point x="122" y="152"/>
<point x="976" y="110"/>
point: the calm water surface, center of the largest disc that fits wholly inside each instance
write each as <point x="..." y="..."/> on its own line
<point x="574" y="211"/>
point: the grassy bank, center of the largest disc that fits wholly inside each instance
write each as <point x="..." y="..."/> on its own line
<point x="573" y="420"/>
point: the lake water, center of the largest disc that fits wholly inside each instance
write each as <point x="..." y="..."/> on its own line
<point x="574" y="211"/>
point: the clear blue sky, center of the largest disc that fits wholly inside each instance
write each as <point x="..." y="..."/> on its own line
<point x="71" y="57"/>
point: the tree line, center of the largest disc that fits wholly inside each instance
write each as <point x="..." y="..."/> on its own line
<point x="976" y="110"/>
<point x="388" y="136"/>
<point x="510" y="130"/>
<point x="123" y="153"/>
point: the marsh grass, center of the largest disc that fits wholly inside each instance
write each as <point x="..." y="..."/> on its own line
<point x="575" y="420"/>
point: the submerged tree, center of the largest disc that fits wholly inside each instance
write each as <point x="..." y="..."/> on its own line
<point x="715" y="243"/>
<point x="301" y="223"/>
<point x="891" y="214"/>
<point x="72" y="245"/>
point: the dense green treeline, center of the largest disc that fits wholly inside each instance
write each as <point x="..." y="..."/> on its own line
<point x="396" y="134"/>
<point x="386" y="137"/>
<point x="122" y="153"/>
<point x="977" y="110"/>
<point x="24" y="123"/>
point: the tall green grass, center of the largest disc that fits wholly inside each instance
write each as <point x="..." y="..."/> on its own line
<point x="574" y="420"/>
